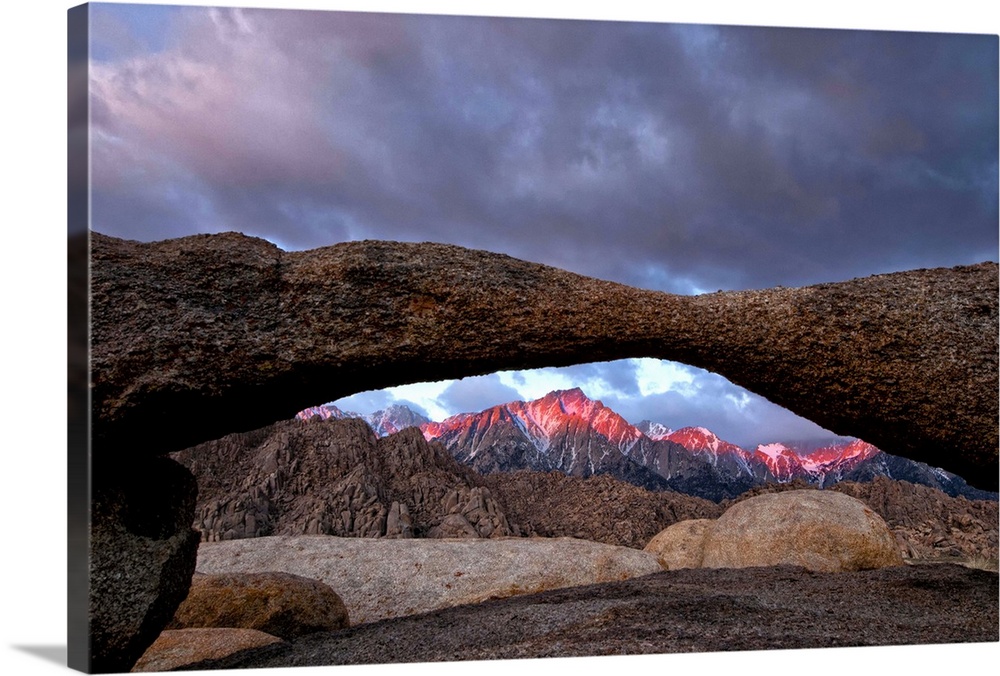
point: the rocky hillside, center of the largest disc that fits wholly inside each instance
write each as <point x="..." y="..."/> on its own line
<point x="336" y="477"/>
<point x="600" y="508"/>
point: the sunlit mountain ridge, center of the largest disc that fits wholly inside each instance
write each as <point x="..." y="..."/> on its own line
<point x="566" y="431"/>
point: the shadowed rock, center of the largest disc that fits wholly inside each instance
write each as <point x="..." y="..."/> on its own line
<point x="142" y="556"/>
<point x="232" y="333"/>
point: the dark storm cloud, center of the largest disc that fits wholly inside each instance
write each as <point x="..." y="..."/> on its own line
<point x="677" y="157"/>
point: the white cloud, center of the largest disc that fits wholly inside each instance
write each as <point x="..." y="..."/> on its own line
<point x="655" y="376"/>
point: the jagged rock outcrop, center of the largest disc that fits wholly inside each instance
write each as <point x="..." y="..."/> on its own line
<point x="382" y="578"/>
<point x="335" y="477"/>
<point x="824" y="531"/>
<point x="237" y="334"/>
<point x="280" y="604"/>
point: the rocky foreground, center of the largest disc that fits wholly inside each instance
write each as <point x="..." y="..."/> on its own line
<point x="698" y="610"/>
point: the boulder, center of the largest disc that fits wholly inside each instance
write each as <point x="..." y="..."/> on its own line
<point x="385" y="578"/>
<point x="681" y="545"/>
<point x="279" y="604"/>
<point x="824" y="531"/>
<point x="187" y="648"/>
<point x="142" y="555"/>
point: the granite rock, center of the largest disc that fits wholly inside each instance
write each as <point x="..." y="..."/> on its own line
<point x="822" y="531"/>
<point x="280" y="604"/>
<point x="233" y="333"/>
<point x="384" y="578"/>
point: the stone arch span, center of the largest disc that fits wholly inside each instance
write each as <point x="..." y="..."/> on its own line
<point x="195" y="338"/>
<point x="198" y="337"/>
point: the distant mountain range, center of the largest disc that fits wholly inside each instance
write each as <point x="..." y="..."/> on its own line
<point x="568" y="432"/>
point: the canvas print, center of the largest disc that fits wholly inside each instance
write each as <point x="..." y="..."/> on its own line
<point x="407" y="338"/>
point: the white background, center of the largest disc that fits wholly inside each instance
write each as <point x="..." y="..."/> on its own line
<point x="34" y="327"/>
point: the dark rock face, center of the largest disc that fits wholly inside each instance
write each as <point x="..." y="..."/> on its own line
<point x="143" y="553"/>
<point x="238" y="334"/>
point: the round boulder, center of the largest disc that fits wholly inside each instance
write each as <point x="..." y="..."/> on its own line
<point x="280" y="604"/>
<point x="681" y="545"/>
<point x="820" y="530"/>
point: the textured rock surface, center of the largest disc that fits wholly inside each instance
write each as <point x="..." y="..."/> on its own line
<point x="681" y="545"/>
<point x="928" y="524"/>
<point x="932" y="524"/>
<point x="783" y="607"/>
<point x="188" y="648"/>
<point x="141" y="559"/>
<point x="280" y="604"/>
<point x="822" y="531"/>
<point x="598" y="508"/>
<point x="237" y="334"/>
<point x="335" y="477"/>
<point x="385" y="578"/>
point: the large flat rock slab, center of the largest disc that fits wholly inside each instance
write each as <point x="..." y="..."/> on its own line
<point x="381" y="578"/>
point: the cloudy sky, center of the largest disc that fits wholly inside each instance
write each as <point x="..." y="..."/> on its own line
<point x="679" y="157"/>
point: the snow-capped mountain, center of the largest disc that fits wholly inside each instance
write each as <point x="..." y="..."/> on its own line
<point x="392" y="419"/>
<point x="822" y="466"/>
<point x="564" y="431"/>
<point x="568" y="432"/>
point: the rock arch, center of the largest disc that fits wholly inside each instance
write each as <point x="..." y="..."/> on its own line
<point x="231" y="333"/>
<point x="198" y="337"/>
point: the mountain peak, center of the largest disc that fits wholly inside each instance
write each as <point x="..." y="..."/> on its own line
<point x="568" y="431"/>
